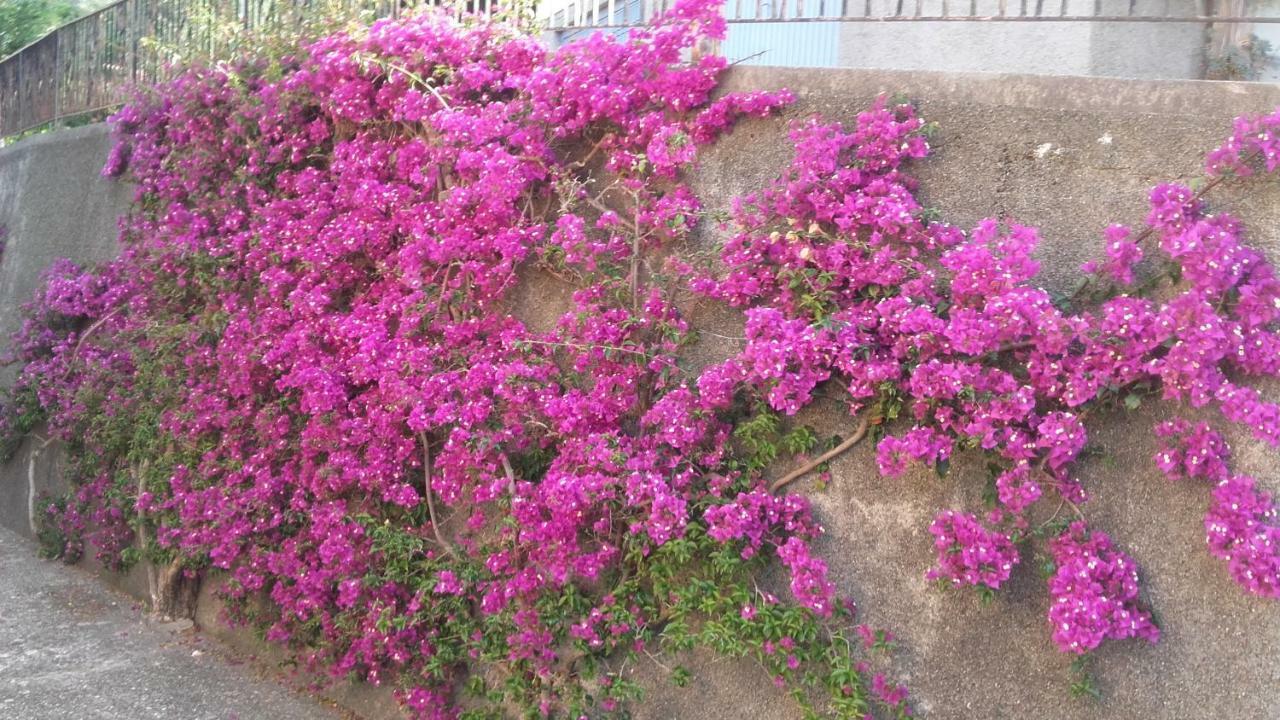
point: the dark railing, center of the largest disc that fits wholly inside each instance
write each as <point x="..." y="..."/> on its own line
<point x="89" y="64"/>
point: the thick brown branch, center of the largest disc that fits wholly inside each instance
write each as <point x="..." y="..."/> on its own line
<point x="801" y="471"/>
<point x="97" y="324"/>
<point x="511" y="476"/>
<point x="635" y="257"/>
<point x="431" y="503"/>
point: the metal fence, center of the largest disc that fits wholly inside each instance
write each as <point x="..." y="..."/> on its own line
<point x="89" y="64"/>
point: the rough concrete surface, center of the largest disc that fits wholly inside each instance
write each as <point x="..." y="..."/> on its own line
<point x="1149" y="50"/>
<point x="71" y="649"/>
<point x="1068" y="155"/>
<point x="54" y="203"/>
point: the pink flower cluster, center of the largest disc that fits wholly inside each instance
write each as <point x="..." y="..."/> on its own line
<point x="315" y="292"/>
<point x="1192" y="451"/>
<point x="809" y="581"/>
<point x="1243" y="528"/>
<point x="1123" y="255"/>
<point x="1253" y="139"/>
<point x="1242" y="525"/>
<point x="969" y="553"/>
<point x="1094" y="593"/>
<point x="754" y="516"/>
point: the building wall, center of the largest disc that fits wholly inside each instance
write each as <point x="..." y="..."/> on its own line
<point x="1147" y="50"/>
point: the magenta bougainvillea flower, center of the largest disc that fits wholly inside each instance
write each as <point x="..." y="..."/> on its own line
<point x="313" y="366"/>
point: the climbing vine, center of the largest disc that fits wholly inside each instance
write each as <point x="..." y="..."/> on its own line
<point x="316" y="369"/>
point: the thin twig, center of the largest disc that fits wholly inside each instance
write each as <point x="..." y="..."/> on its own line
<point x="97" y="324"/>
<point x="600" y="206"/>
<point x="442" y="303"/>
<point x="799" y="472"/>
<point x="656" y="661"/>
<point x="1013" y="347"/>
<point x="1150" y="229"/>
<point x="1057" y="485"/>
<point x="431" y="503"/>
<point x="635" y="253"/>
<point x="414" y="77"/>
<point x="722" y="337"/>
<point x="752" y="56"/>
<point x="594" y="149"/>
<point x="511" y="475"/>
<point x="586" y="347"/>
<point x="1062" y="500"/>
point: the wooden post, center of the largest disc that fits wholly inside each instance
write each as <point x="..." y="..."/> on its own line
<point x="57" y="76"/>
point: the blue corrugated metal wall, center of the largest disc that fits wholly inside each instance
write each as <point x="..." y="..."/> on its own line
<point x="791" y="45"/>
<point x="795" y="44"/>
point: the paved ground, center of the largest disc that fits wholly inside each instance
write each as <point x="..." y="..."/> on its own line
<point x="72" y="649"/>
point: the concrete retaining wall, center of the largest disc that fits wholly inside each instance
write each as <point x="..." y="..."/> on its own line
<point x="53" y="203"/>
<point x="1067" y="154"/>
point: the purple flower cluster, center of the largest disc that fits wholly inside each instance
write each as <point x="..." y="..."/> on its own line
<point x="1254" y="140"/>
<point x="1123" y="254"/>
<point x="1094" y="593"/>
<point x="855" y="285"/>
<point x="317" y="278"/>
<point x="756" y="516"/>
<point x="1242" y="525"/>
<point x="969" y="553"/>
<point x="1192" y="451"/>
<point x="809" y="581"/>
<point x="1243" y="528"/>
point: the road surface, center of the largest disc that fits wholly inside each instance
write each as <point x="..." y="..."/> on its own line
<point x="73" y="649"/>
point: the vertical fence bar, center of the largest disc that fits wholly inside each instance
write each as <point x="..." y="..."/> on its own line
<point x="19" y="104"/>
<point x="57" y="75"/>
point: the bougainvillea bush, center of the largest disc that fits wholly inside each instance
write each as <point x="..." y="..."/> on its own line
<point x="311" y="369"/>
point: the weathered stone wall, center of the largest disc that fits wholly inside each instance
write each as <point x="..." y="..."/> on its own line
<point x="1068" y="155"/>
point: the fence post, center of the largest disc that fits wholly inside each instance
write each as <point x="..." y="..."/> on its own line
<point x="57" y="76"/>
<point x="131" y="39"/>
<point x="21" y="104"/>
